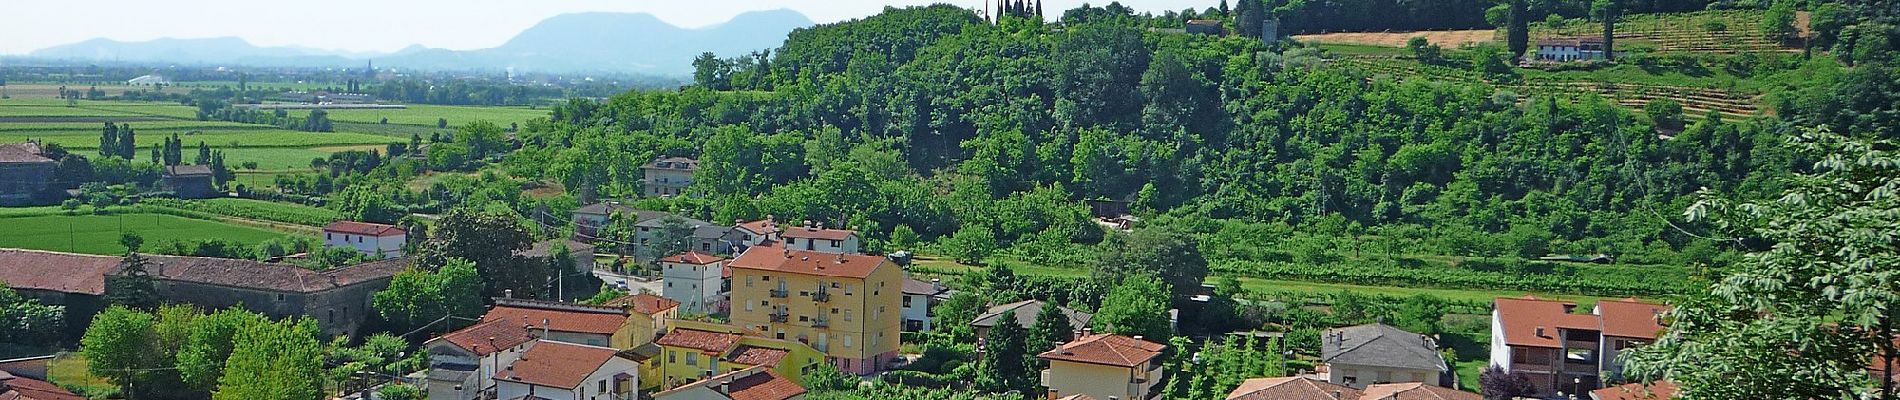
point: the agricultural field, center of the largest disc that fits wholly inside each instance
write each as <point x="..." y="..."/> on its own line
<point x="99" y="234"/>
<point x="1448" y="39"/>
<point x="427" y="115"/>
<point x="253" y="210"/>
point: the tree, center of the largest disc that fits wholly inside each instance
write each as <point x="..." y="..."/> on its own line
<point x="1163" y="252"/>
<point x="441" y="123"/>
<point x="1778" y="21"/>
<point x="25" y="321"/>
<point x="491" y="241"/>
<point x="1607" y="11"/>
<point x="201" y="360"/>
<point x="1003" y="367"/>
<point x="419" y="296"/>
<point x="1421" y="313"/>
<point x="401" y="392"/>
<point x="971" y="244"/>
<point x="363" y="202"/>
<point x="903" y="238"/>
<point x="1136" y="307"/>
<point x="281" y="360"/>
<point x="1499" y="385"/>
<point x="1813" y="280"/>
<point x="1051" y="329"/>
<point x="1665" y="114"/>
<point x="116" y="346"/>
<point x="826" y="377"/>
<point x="132" y="286"/>
<point x="1519" y="33"/>
<point x="482" y="138"/>
<point x="109" y="140"/>
<point x="673" y="236"/>
<point x="1425" y="51"/>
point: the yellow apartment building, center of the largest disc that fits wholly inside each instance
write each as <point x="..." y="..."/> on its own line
<point x="847" y="306"/>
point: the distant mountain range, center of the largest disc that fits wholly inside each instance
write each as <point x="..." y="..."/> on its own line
<point x="582" y="42"/>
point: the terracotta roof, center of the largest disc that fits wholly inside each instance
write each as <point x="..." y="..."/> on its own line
<point x="762" y="227"/>
<point x="16" y="153"/>
<point x="818" y="233"/>
<point x="772" y="258"/>
<point x="1414" y="391"/>
<point x="22" y="388"/>
<point x="1631" y="318"/>
<point x="1106" y="349"/>
<point x="1290" y="388"/>
<point x="475" y="338"/>
<point x="750" y="355"/>
<point x="269" y="276"/>
<point x="559" y="316"/>
<point x="1380" y="345"/>
<point x="557" y="364"/>
<point x="188" y="170"/>
<point x="644" y="303"/>
<point x="914" y="286"/>
<point x="1026" y="311"/>
<point x="692" y="257"/>
<point x="1521" y="317"/>
<point x="57" y="272"/>
<point x="1636" y="391"/>
<point x="1077" y="397"/>
<point x="764" y="386"/>
<point x="363" y="228"/>
<point x="708" y="341"/>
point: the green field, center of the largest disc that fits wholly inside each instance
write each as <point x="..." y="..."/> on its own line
<point x="255" y="210"/>
<point x="99" y="234"/>
<point x="426" y="115"/>
<point x="222" y="138"/>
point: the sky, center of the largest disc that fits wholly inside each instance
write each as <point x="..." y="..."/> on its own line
<point x="389" y="25"/>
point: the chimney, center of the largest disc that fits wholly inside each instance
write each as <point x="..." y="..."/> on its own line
<point x="1540" y="331"/>
<point x="1138" y="337"/>
<point x="1086" y="331"/>
<point x="544" y="327"/>
<point x="508" y="293"/>
<point x="936" y="284"/>
<point x="1336" y="395"/>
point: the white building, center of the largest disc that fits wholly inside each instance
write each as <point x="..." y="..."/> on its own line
<point x="374" y="240"/>
<point x="148" y="80"/>
<point x="919" y="296"/>
<point x="696" y="280"/>
<point x="462" y="364"/>
<point x="558" y="370"/>
<point x="813" y="237"/>
<point x="1576" y="49"/>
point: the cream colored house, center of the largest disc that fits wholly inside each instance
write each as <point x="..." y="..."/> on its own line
<point x="845" y="305"/>
<point x="1103" y="366"/>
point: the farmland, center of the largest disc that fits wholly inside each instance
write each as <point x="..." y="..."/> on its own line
<point x="427" y="115"/>
<point x="99" y="234"/>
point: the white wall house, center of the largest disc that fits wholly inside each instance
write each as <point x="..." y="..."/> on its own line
<point x="696" y="280"/>
<point x="462" y="364"/>
<point x="557" y="370"/>
<point x="374" y="240"/>
<point x="919" y="296"/>
<point x="818" y="238"/>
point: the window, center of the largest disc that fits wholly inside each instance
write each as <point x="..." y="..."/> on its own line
<point x="748" y="307"/>
<point x="329" y="236"/>
<point x="672" y="356"/>
<point x="705" y="246"/>
<point x="603" y="386"/>
<point x="692" y="358"/>
<point x="834" y="243"/>
<point x="765" y="303"/>
<point x="748" y="281"/>
<point x="670" y="284"/>
<point x="847" y="340"/>
<point x="847" y="315"/>
<point x="906" y="301"/>
<point x="767" y="278"/>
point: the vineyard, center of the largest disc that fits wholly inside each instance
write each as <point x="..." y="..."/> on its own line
<point x="1600" y="280"/>
<point x="1696" y="101"/>
<point x="252" y="209"/>
<point x="1717" y="31"/>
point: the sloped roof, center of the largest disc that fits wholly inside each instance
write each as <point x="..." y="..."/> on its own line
<point x="760" y="227"/>
<point x="22" y="153"/>
<point x="1522" y="316"/>
<point x="766" y="385"/>
<point x="676" y="162"/>
<point x="562" y="317"/>
<point x="543" y="248"/>
<point x="1415" y="391"/>
<point x="752" y="355"/>
<point x="1631" y="318"/>
<point x="1026" y="311"/>
<point x="1078" y="396"/>
<point x="476" y="338"/>
<point x="557" y="364"/>
<point x="644" y="303"/>
<point x="1380" y="345"/>
<point x="693" y="257"/>
<point x="188" y="170"/>
<point x="1658" y="390"/>
<point x="606" y="208"/>
<point x="776" y="259"/>
<point x="708" y="341"/>
<point x="268" y="276"/>
<point x="363" y="228"/>
<point x="817" y="233"/>
<point x="56" y="272"/>
<point x="1291" y="388"/>
<point x="914" y="286"/>
<point x="1106" y="349"/>
<point x="23" y="388"/>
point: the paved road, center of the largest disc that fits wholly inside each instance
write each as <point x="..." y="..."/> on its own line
<point x="634" y="284"/>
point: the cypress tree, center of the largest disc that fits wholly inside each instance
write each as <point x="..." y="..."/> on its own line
<point x="1519" y="33"/>
<point x="109" y="140"/>
<point x="128" y="143"/>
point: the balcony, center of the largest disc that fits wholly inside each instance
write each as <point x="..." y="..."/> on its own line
<point x="820" y="323"/>
<point x="780" y="317"/>
<point x="781" y="293"/>
<point x="821" y="296"/>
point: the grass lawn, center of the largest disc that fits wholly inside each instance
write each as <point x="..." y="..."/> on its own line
<point x="99" y="234"/>
<point x="69" y="370"/>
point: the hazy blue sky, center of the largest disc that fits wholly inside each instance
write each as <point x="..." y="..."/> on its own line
<point x="387" y="25"/>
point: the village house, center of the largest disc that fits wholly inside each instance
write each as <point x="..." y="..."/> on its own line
<point x="919" y="297"/>
<point x="1026" y="311"/>
<point x="551" y="369"/>
<point x="25" y="173"/>
<point x="1304" y="388"/>
<point x="1570" y="49"/>
<point x="754" y="383"/>
<point x="1103" y="366"/>
<point x="846" y="305"/>
<point x="1359" y="356"/>
<point x="1564" y="351"/>
<point x="581" y="252"/>
<point x="590" y="218"/>
<point x="698" y="281"/>
<point x="816" y="237"/>
<point x="75" y="281"/>
<point x="1211" y="27"/>
<point x="745" y="234"/>
<point x="703" y="237"/>
<point x="696" y="351"/>
<point x="371" y="239"/>
<point x="191" y="181"/>
<point x="648" y="314"/>
<point x="668" y="176"/>
<point x="462" y="364"/>
<point x="569" y="322"/>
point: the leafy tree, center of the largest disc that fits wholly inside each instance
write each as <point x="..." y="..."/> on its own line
<point x="363" y="202"/>
<point x="673" y="236"/>
<point x="1778" y="21"/>
<point x="1425" y="51"/>
<point x="1004" y="365"/>
<point x="1813" y="285"/>
<point x="903" y="238"/>
<point x="1665" y="114"/>
<point x="1164" y="252"/>
<point x="1421" y="313"/>
<point x="1136" y="307"/>
<point x="25" y="321"/>
<point x="116" y="346"/>
<point x="133" y="285"/>
<point x="970" y="245"/>
<point x="202" y="358"/>
<point x="401" y="392"/>
<point x="490" y="240"/>
<point x="1051" y="329"/>
<point x="421" y="296"/>
<point x="281" y="360"/>
<point x="1496" y="384"/>
<point x="825" y="376"/>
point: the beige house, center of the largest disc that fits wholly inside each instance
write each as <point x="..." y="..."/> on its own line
<point x="647" y="314"/>
<point x="669" y="176"/>
<point x="1359" y="356"/>
<point x="845" y="305"/>
<point x="1103" y="366"/>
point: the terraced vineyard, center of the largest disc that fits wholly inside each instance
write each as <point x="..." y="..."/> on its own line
<point x="1696" y="101"/>
<point x="1737" y="31"/>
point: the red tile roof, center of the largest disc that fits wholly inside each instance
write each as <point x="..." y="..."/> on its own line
<point x="777" y="259"/>
<point x="767" y="385"/>
<point x="692" y="257"/>
<point x="818" y="233"/>
<point x="1414" y="391"/>
<point x="1291" y="388"/>
<point x="644" y="303"/>
<point x="1106" y="349"/>
<point x="56" y="272"/>
<point x="557" y="364"/>
<point x="761" y="227"/>
<point x="22" y="388"/>
<point x="1081" y="396"/>
<point x="1658" y="390"/>
<point x="363" y="228"/>
<point x="1521" y="317"/>
<point x="708" y="341"/>
<point x="475" y="338"/>
<point x="562" y="317"/>
<point x="749" y="355"/>
<point x="1631" y="318"/>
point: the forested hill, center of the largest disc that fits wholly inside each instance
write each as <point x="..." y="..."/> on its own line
<point x="930" y="120"/>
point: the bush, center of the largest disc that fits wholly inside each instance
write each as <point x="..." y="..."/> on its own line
<point x="1714" y="25"/>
